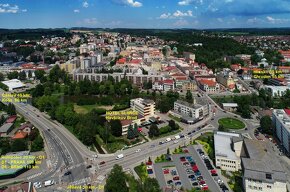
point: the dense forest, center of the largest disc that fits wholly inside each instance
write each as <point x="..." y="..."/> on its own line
<point x="31" y="34"/>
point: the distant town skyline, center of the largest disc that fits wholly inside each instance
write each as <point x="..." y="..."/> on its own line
<point x="199" y="14"/>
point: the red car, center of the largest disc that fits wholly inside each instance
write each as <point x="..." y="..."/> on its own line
<point x="182" y="159"/>
<point x="213" y="171"/>
<point x="185" y="151"/>
<point x="149" y="163"/>
<point x="176" y="178"/>
<point x="205" y="188"/>
<point x="166" y="171"/>
<point x="202" y="182"/>
<point x="194" y="167"/>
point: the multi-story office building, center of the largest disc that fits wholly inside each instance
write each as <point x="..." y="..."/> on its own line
<point x="228" y="148"/>
<point x="262" y="170"/>
<point x="190" y="112"/>
<point x="144" y="107"/>
<point x="281" y="123"/>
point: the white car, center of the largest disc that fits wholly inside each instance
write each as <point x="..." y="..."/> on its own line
<point x="149" y="167"/>
<point x="138" y="150"/>
<point x="37" y="185"/>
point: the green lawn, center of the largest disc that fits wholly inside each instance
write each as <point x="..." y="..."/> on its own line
<point x="231" y="123"/>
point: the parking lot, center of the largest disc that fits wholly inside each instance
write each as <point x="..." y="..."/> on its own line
<point x="185" y="170"/>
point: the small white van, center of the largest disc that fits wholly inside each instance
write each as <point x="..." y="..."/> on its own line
<point x="120" y="156"/>
<point x="48" y="183"/>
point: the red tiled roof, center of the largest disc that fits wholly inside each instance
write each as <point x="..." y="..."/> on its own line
<point x="126" y="122"/>
<point x="231" y="86"/>
<point x="20" y="135"/>
<point x="168" y="81"/>
<point x="136" y="61"/>
<point x="11" y="119"/>
<point x="121" y="61"/>
<point x="181" y="78"/>
<point x="210" y="83"/>
<point x="169" y="68"/>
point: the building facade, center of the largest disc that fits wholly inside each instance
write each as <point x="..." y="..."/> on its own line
<point x="281" y="123"/>
<point x="228" y="149"/>
<point x="144" y="107"/>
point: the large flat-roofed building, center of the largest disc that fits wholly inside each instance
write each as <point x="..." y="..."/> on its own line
<point x="281" y="123"/>
<point x="190" y="112"/>
<point x="136" y="79"/>
<point x="144" y="107"/>
<point x="277" y="91"/>
<point x="228" y="149"/>
<point x="13" y="84"/>
<point x="262" y="170"/>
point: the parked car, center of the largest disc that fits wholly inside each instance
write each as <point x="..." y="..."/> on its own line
<point x="169" y="182"/>
<point x="191" y="176"/>
<point x="176" y="178"/>
<point x="201" y="182"/>
<point x="67" y="173"/>
<point x="177" y="183"/>
<point x="173" y="172"/>
<point x="150" y="171"/>
<point x="195" y="184"/>
<point x="200" y="177"/>
<point x="102" y="163"/>
<point x="166" y="171"/>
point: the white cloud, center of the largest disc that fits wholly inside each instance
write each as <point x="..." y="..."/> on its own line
<point x="7" y="8"/>
<point x="182" y="14"/>
<point x="133" y="3"/>
<point x="229" y="1"/>
<point x="5" y="5"/>
<point x="176" y="14"/>
<point x="276" y="21"/>
<point x="270" y="19"/>
<point x="185" y="2"/>
<point x="76" y="11"/>
<point x="24" y="10"/>
<point x="165" y="16"/>
<point x="85" y="4"/>
<point x="91" y="21"/>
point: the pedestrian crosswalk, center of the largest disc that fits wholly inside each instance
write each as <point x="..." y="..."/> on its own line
<point x="35" y="175"/>
<point x="81" y="181"/>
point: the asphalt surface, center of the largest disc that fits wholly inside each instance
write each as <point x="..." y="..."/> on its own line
<point x="204" y="171"/>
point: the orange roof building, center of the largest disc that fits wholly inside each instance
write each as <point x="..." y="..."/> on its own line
<point x="20" y="135"/>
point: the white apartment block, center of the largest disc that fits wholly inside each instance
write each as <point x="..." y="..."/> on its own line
<point x="228" y="148"/>
<point x="136" y="79"/>
<point x="144" y="107"/>
<point x="281" y="122"/>
<point x="190" y="112"/>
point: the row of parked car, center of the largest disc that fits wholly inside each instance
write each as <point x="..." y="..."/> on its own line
<point x="212" y="171"/>
<point x="193" y="173"/>
<point x="173" y="174"/>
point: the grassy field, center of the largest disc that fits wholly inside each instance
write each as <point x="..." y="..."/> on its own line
<point x="231" y="123"/>
<point x="87" y="108"/>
